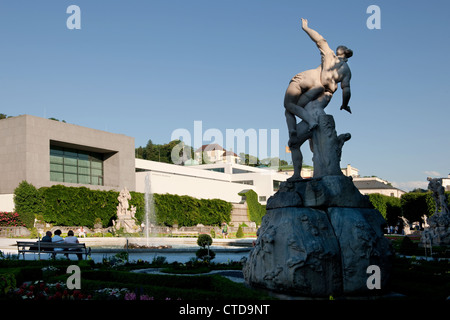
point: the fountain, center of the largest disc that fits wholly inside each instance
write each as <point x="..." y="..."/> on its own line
<point x="150" y="217"/>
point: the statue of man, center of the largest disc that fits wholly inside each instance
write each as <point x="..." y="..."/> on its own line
<point x="315" y="84"/>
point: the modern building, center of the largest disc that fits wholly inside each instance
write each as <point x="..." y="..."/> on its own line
<point x="47" y="152"/>
<point x="222" y="180"/>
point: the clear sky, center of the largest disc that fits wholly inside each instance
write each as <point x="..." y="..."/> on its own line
<point x="147" y="68"/>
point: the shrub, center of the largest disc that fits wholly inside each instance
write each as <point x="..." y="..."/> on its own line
<point x="205" y="254"/>
<point x="407" y="246"/>
<point x="204" y="240"/>
<point x="7" y="282"/>
<point x="240" y="232"/>
<point x="255" y="210"/>
<point x="28" y="202"/>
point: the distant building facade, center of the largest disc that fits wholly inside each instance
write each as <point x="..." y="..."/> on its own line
<point x="446" y="183"/>
<point x="214" y="153"/>
<point x="376" y="185"/>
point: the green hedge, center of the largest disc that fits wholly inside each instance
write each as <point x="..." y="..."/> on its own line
<point x="28" y="203"/>
<point x="80" y="206"/>
<point x="255" y="210"/>
<point x="389" y="207"/>
<point x="411" y="205"/>
<point x="188" y="211"/>
<point x="416" y="204"/>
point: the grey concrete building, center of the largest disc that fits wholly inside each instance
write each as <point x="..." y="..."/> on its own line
<point x="48" y="152"/>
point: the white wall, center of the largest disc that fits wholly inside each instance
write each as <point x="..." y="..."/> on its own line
<point x="387" y="192"/>
<point x="190" y="186"/>
<point x="6" y="202"/>
<point x="198" y="182"/>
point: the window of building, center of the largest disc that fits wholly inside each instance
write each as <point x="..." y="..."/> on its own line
<point x="237" y="171"/>
<point x="249" y="182"/>
<point x="217" y="169"/>
<point x="262" y="198"/>
<point x="75" y="166"/>
<point x="276" y="185"/>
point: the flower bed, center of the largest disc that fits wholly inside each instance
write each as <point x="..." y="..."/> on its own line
<point x="10" y="219"/>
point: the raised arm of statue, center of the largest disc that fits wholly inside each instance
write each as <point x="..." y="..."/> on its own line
<point x="320" y="41"/>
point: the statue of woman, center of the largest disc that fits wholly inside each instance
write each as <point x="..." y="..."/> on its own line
<point x="311" y="84"/>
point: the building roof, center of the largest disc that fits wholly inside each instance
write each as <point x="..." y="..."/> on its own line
<point x="210" y="147"/>
<point x="371" y="184"/>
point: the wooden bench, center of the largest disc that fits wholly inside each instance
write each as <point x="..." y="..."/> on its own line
<point x="49" y="247"/>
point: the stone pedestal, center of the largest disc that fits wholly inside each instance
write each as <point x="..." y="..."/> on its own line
<point x="317" y="239"/>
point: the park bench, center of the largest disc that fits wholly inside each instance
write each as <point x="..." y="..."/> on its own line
<point x="48" y="247"/>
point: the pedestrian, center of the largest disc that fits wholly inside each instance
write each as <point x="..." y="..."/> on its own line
<point x="81" y="232"/>
<point x="225" y="230"/>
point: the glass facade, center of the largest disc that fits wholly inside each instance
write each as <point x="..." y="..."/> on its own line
<point x="76" y="166"/>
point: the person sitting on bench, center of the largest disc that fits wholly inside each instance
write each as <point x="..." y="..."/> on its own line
<point x="72" y="239"/>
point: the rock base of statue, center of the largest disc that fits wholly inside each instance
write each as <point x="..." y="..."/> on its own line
<point x="318" y="238"/>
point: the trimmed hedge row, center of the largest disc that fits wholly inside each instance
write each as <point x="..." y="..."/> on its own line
<point x="80" y="206"/>
<point x="413" y="206"/>
<point x="188" y="211"/>
<point x="255" y="211"/>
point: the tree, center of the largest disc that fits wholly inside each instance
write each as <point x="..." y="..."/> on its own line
<point x="160" y="152"/>
<point x="28" y="202"/>
<point x="249" y="160"/>
<point x="415" y="205"/>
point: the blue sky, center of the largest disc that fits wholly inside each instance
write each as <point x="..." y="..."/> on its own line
<point x="147" y="68"/>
